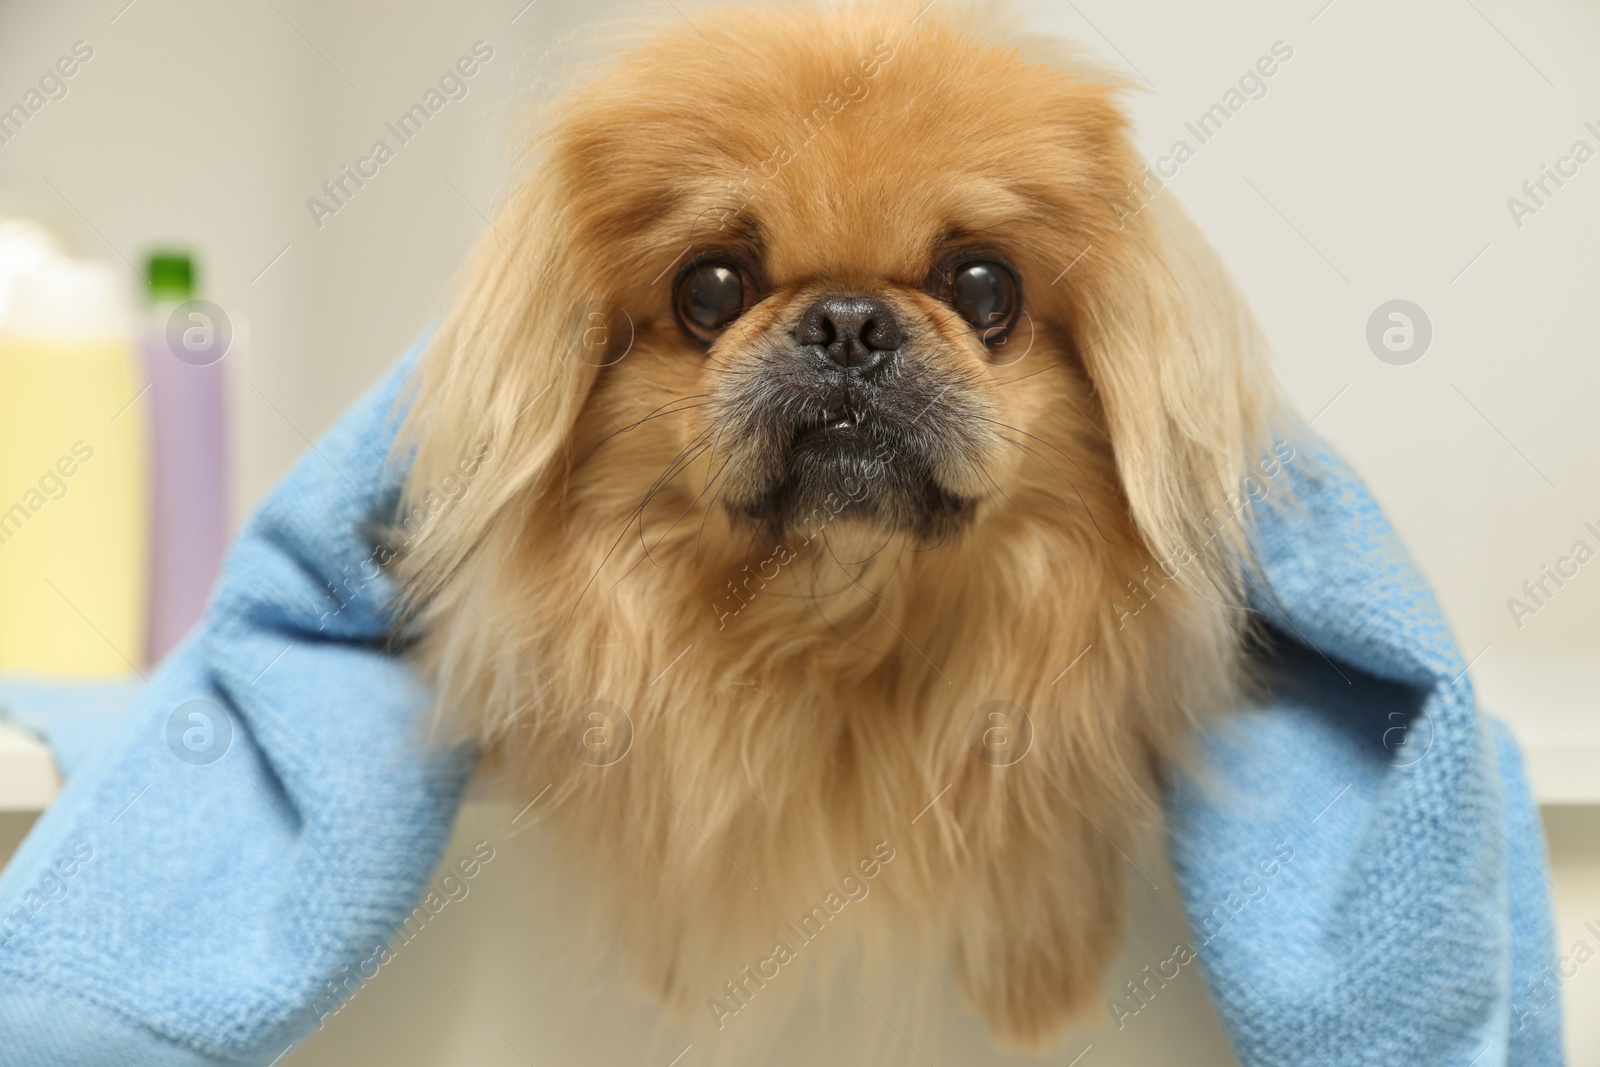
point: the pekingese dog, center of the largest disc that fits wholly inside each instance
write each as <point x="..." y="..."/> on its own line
<point x="862" y="435"/>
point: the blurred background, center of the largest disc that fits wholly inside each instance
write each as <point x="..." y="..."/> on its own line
<point x="1411" y="202"/>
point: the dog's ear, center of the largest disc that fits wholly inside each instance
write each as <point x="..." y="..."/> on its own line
<point x="1177" y="361"/>
<point x="498" y="387"/>
<point x="1180" y="366"/>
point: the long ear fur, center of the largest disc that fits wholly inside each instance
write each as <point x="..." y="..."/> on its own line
<point x="494" y="401"/>
<point x="508" y="368"/>
<point x="1180" y="365"/>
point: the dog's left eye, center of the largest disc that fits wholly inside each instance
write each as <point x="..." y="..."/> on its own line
<point x="985" y="294"/>
<point x="709" y="297"/>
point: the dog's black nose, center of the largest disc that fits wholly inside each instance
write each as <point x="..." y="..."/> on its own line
<point x="857" y="332"/>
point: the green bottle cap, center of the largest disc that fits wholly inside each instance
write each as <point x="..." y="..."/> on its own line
<point x="171" y="275"/>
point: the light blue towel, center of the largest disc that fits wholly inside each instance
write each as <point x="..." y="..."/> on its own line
<point x="174" y="907"/>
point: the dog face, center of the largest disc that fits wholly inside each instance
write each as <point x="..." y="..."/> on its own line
<point x="870" y="335"/>
<point x="857" y="282"/>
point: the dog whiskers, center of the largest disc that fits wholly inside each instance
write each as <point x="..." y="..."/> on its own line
<point x="682" y="466"/>
<point x="1039" y="459"/>
<point x="670" y="471"/>
<point x="690" y="507"/>
<point x="655" y="413"/>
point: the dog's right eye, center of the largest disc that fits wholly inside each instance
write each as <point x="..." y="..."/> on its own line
<point x="710" y="295"/>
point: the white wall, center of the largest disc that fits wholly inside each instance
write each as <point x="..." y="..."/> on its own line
<point x="1376" y="167"/>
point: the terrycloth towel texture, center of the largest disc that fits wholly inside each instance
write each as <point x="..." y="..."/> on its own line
<point x="173" y="908"/>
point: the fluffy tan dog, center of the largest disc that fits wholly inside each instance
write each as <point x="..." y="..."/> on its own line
<point x="862" y="436"/>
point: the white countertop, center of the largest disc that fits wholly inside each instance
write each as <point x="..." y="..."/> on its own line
<point x="28" y="777"/>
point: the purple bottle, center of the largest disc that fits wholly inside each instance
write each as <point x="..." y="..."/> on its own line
<point x="183" y="350"/>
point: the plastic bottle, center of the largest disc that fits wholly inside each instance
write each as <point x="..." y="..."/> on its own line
<point x="183" y="349"/>
<point x="73" y="487"/>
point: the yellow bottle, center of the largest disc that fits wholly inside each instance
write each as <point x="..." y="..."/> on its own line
<point x="73" y="477"/>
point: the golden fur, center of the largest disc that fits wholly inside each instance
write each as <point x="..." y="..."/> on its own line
<point x="796" y="703"/>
